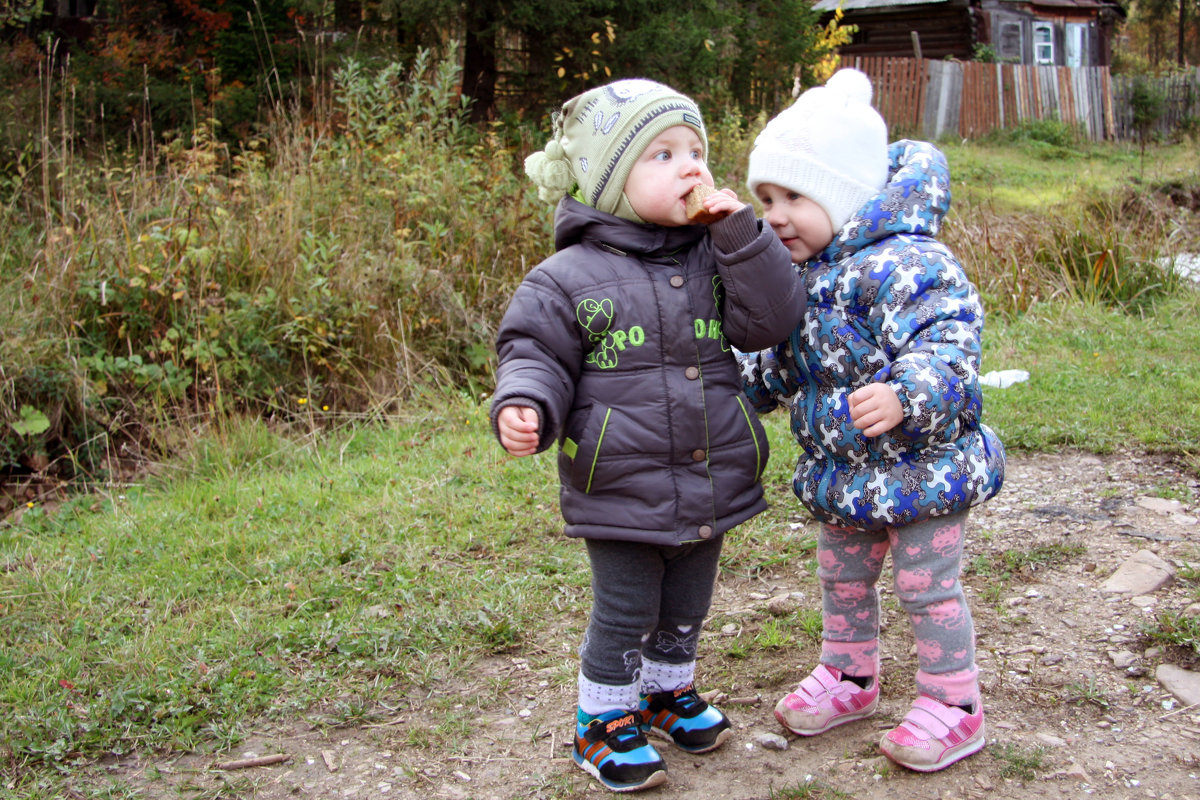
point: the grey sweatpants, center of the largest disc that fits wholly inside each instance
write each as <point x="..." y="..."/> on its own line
<point x="647" y="601"/>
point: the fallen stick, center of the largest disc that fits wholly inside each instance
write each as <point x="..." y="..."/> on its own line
<point x="260" y="761"/>
<point x="1183" y="710"/>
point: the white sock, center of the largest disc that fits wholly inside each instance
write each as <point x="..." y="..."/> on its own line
<point x="660" y="677"/>
<point x="596" y="698"/>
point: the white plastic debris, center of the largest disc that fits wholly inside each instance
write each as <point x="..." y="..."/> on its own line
<point x="1004" y="378"/>
<point x="1185" y="265"/>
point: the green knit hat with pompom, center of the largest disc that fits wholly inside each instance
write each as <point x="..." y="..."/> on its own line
<point x="600" y="134"/>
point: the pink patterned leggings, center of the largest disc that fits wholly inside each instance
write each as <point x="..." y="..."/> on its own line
<point x="926" y="561"/>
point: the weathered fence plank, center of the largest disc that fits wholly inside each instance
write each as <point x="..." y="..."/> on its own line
<point x="934" y="98"/>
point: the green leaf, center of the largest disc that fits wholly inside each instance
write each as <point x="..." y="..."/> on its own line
<point x="31" y="422"/>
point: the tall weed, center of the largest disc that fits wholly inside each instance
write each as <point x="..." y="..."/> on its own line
<point x="307" y="271"/>
<point x="1108" y="249"/>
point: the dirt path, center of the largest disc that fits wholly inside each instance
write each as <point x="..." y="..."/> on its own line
<point x="1074" y="707"/>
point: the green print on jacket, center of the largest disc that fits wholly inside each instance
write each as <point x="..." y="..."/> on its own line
<point x="713" y="330"/>
<point x="596" y="317"/>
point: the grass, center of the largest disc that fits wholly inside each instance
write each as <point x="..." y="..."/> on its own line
<point x="1087" y="692"/>
<point x="1013" y="176"/>
<point x="1175" y="629"/>
<point x="171" y="614"/>
<point x="1010" y="562"/>
<point x="1021" y="763"/>
<point x="1100" y="379"/>
<point x="810" y="790"/>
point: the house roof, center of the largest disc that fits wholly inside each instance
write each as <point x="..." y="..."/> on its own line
<point x="847" y="5"/>
<point x="1078" y="5"/>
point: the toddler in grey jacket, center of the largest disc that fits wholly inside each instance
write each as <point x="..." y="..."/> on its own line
<point x="617" y="349"/>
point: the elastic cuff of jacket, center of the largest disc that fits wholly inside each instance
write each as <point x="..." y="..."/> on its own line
<point x="735" y="231"/>
<point x="494" y="414"/>
<point x="905" y="405"/>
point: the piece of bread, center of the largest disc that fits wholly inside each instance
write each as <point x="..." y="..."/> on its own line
<point x="696" y="211"/>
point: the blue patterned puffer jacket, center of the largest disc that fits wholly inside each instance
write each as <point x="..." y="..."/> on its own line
<point x="887" y="302"/>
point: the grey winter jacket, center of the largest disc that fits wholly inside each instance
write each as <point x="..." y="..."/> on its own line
<point x="621" y="341"/>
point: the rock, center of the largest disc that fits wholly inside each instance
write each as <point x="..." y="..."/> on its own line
<point x="1142" y="573"/>
<point x="1122" y="658"/>
<point x="1180" y="682"/>
<point x="1073" y="772"/>
<point x="1144" y="601"/>
<point x="1160" y="504"/>
<point x="1050" y="740"/>
<point x="1192" y="611"/>
<point x="771" y="741"/>
<point x="780" y="604"/>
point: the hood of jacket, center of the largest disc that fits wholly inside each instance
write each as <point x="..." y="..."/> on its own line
<point x="576" y="223"/>
<point x="918" y="188"/>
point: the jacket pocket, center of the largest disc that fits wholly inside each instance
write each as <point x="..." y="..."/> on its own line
<point x="758" y="435"/>
<point x="582" y="445"/>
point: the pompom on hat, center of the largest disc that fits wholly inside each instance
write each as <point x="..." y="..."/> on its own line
<point x="830" y="146"/>
<point x="598" y="137"/>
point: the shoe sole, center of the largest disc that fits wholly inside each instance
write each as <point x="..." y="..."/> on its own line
<point x="842" y="719"/>
<point x="966" y="748"/>
<point x="654" y="779"/>
<point x="720" y="740"/>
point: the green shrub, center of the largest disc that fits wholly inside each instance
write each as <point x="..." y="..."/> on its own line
<point x="1104" y="249"/>
<point x="328" y="270"/>
<point x="1045" y="138"/>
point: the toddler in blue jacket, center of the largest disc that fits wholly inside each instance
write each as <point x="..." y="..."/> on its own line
<point x="882" y="381"/>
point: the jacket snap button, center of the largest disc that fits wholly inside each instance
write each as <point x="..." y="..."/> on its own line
<point x="677" y="281"/>
<point x="705" y="531"/>
<point x="697" y="455"/>
<point x="692" y="373"/>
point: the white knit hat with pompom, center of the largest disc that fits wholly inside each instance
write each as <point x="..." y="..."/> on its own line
<point x="599" y="135"/>
<point x="830" y="146"/>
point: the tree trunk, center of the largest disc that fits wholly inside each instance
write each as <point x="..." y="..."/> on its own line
<point x="347" y="14"/>
<point x="1179" y="59"/>
<point x="479" y="61"/>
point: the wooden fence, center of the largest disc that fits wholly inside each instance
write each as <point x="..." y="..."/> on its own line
<point x="931" y="99"/>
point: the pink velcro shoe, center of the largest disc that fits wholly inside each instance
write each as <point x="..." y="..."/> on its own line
<point x="933" y="735"/>
<point x="823" y="701"/>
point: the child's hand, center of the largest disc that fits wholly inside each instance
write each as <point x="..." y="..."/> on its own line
<point x="706" y="205"/>
<point x="875" y="409"/>
<point x="722" y="203"/>
<point x="518" y="427"/>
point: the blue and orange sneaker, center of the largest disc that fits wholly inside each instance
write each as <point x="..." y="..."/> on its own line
<point x="686" y="719"/>
<point x="614" y="750"/>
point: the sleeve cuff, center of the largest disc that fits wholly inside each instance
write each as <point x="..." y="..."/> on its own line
<point x="736" y="231"/>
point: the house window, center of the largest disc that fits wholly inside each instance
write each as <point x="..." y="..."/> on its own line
<point x="1075" y="54"/>
<point x="1010" y="41"/>
<point x="1043" y="43"/>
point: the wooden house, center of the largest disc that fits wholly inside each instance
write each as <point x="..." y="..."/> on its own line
<point x="1075" y="33"/>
